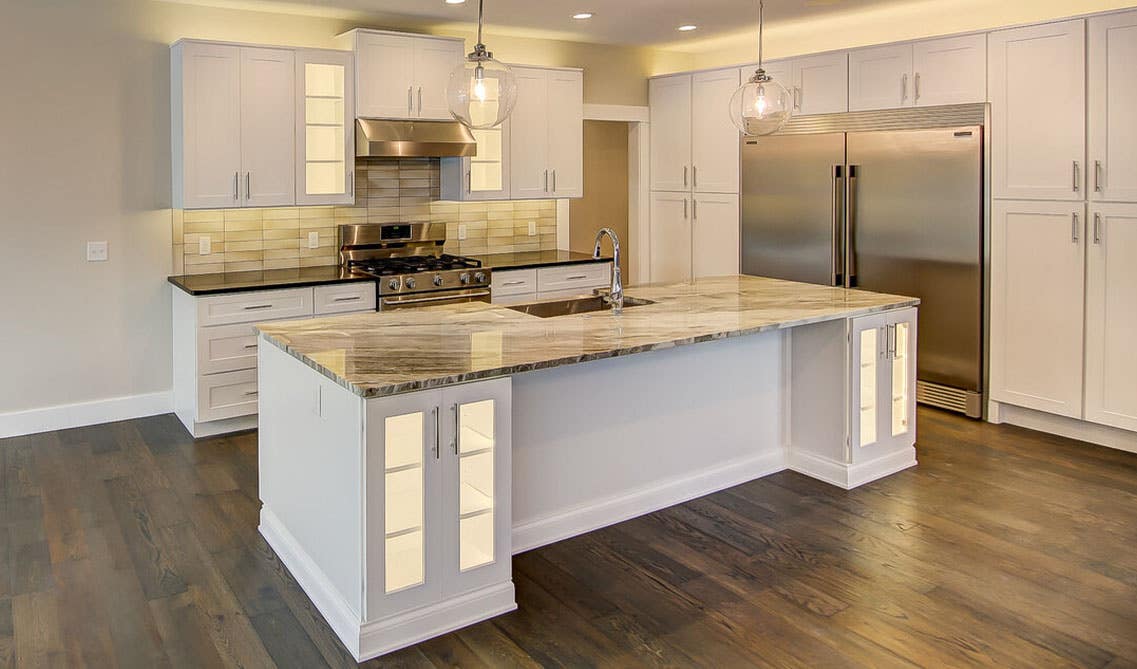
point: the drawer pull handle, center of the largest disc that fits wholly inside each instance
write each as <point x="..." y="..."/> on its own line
<point x="254" y="307"/>
<point x="514" y="283"/>
<point x="576" y="277"/>
<point x="247" y="346"/>
<point x="249" y="393"/>
<point x="353" y="298"/>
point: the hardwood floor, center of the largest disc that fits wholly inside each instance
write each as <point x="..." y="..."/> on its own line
<point x="129" y="544"/>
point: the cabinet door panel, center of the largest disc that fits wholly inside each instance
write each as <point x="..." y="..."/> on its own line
<point x="714" y="139"/>
<point x="1038" y="99"/>
<point x="1113" y="107"/>
<point x="325" y="128"/>
<point x="670" y="102"/>
<point x="867" y="376"/>
<point x="268" y="127"/>
<point x="880" y="78"/>
<point x="566" y="133"/>
<point x="1037" y="263"/>
<point x="670" y="237"/>
<point x="384" y="85"/>
<point x="714" y="234"/>
<point x="529" y="135"/>
<point x="822" y="83"/>
<point x="211" y="112"/>
<point x="950" y="71"/>
<point x="434" y="60"/>
<point x="1111" y="316"/>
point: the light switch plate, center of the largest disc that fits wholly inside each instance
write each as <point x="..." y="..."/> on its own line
<point x="461" y="231"/>
<point x="204" y="245"/>
<point x="97" y="251"/>
<point x="532" y="228"/>
<point x="313" y="240"/>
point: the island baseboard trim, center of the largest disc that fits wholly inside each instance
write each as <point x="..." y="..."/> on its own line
<point x="339" y="615"/>
<point x="850" y="476"/>
<point x="576" y="521"/>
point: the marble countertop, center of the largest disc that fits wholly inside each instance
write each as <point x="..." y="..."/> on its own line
<point x="531" y="259"/>
<point x="235" y="282"/>
<point x="386" y="353"/>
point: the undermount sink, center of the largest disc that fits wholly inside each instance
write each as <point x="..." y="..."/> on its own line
<point x="578" y="305"/>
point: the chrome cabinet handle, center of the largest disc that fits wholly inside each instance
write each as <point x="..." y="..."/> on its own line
<point x="684" y="209"/>
<point x="249" y="393"/>
<point x="554" y="181"/>
<point x="546" y="181"/>
<point x="420" y="100"/>
<point x="904" y="87"/>
<point x="1097" y="227"/>
<point x="248" y="186"/>
<point x="469" y="181"/>
<point x="916" y="89"/>
<point x="457" y="429"/>
<point x="353" y="298"/>
<point x="684" y="175"/>
<point x="248" y="346"/>
<point x="1074" y="228"/>
<point x="1077" y="180"/>
<point x="253" y="307"/>
<point x="236" y="186"/>
<point x="576" y="277"/>
<point x="514" y="283"/>
<point x="437" y="429"/>
<point x="410" y="100"/>
<point x="1097" y="176"/>
<point x="694" y="176"/>
<point x="694" y="209"/>
<point x="351" y="183"/>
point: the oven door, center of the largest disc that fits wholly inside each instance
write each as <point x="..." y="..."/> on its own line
<point x="390" y="303"/>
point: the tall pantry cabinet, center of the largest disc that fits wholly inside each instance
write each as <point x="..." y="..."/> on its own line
<point x="1064" y="218"/>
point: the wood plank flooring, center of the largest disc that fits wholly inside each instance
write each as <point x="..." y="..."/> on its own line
<point x="131" y="545"/>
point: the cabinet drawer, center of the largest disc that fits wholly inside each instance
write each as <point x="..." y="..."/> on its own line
<point x="226" y="395"/>
<point x="226" y="348"/>
<point x="574" y="276"/>
<point x="344" y="297"/>
<point x="514" y="282"/>
<point x="254" y="307"/>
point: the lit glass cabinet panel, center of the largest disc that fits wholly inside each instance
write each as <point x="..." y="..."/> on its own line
<point x="900" y="389"/>
<point x="325" y="151"/>
<point x="404" y="498"/>
<point x="475" y="446"/>
<point x="868" y="380"/>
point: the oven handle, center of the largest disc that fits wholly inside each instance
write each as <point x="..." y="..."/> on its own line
<point x="397" y="301"/>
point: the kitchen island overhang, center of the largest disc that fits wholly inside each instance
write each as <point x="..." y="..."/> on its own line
<point x="525" y="431"/>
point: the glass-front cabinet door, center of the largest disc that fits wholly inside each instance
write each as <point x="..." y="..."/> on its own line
<point x="477" y="485"/>
<point x="883" y="379"/>
<point x="325" y="142"/>
<point x="481" y="177"/>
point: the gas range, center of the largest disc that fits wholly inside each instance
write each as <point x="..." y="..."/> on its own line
<point x="408" y="262"/>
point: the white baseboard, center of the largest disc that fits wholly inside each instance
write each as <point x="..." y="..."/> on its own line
<point x="850" y="476"/>
<point x="33" y="421"/>
<point x="543" y="531"/>
<point x="1102" y="435"/>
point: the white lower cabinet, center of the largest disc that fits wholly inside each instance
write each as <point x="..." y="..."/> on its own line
<point x="670" y="237"/>
<point x="437" y="498"/>
<point x="1037" y="302"/>
<point x="714" y="234"/>
<point x="883" y="384"/>
<point x="1111" y="315"/>
<point x="518" y="286"/>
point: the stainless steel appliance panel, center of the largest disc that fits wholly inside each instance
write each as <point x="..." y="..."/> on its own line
<point x="915" y="226"/>
<point x="791" y="199"/>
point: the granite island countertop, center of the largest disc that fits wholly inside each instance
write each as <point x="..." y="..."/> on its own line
<point x="377" y="354"/>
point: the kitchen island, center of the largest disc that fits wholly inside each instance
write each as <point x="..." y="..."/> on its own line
<point x="405" y="456"/>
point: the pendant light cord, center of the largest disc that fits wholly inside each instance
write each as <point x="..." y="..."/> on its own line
<point x="481" y="5"/>
<point x="760" y="4"/>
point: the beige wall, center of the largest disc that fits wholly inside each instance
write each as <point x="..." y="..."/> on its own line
<point x="85" y="155"/>
<point x="893" y="22"/>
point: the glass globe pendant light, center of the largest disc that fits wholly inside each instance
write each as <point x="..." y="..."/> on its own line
<point x="481" y="91"/>
<point x="760" y="106"/>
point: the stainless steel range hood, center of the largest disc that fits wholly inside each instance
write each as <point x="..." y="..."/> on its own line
<point x="380" y="138"/>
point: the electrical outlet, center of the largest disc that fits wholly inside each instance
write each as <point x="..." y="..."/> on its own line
<point x="532" y="228"/>
<point x="96" y="251"/>
<point x="313" y="240"/>
<point x="461" y="231"/>
<point x="204" y="245"/>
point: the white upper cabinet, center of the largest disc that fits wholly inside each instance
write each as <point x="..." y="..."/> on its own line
<point x="1112" y="168"/>
<point x="821" y="83"/>
<point x="206" y="92"/>
<point x="1111" y="315"/>
<point x="880" y="78"/>
<point x="484" y="176"/>
<point x="1037" y="299"/>
<point x="714" y="139"/>
<point x="714" y="234"/>
<point x="566" y="132"/>
<point x="949" y="71"/>
<point x="670" y="105"/>
<point x="325" y="135"/>
<point x="403" y="76"/>
<point x="529" y="135"/>
<point x="268" y="126"/>
<point x="1037" y="90"/>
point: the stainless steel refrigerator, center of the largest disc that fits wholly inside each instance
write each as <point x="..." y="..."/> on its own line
<point x="896" y="211"/>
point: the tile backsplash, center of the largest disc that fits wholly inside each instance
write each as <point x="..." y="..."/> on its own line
<point x="387" y="191"/>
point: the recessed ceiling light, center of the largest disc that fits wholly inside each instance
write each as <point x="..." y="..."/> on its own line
<point x="686" y="28"/>
<point x="583" y="15"/>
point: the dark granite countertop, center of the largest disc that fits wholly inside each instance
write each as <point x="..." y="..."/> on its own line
<point x="236" y="282"/>
<point x="531" y="259"/>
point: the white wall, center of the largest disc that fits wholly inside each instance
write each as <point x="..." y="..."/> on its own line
<point x="85" y="155"/>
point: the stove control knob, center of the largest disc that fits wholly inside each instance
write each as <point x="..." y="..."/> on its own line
<point x="480" y="277"/>
<point x="410" y="283"/>
<point x="438" y="279"/>
<point x="464" y="278"/>
<point x="393" y="284"/>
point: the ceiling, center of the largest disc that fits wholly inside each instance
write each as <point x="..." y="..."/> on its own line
<point x="632" y="22"/>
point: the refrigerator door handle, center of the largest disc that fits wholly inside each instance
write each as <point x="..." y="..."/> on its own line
<point x="837" y="263"/>
<point x="851" y="228"/>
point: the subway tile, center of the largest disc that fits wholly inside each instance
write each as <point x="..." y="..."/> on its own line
<point x="253" y="245"/>
<point x="243" y="235"/>
<point x="247" y="266"/>
<point x="177" y="222"/>
<point x="282" y="263"/>
<point x="203" y="216"/>
<point x="289" y="224"/>
<point x="323" y="251"/>
<point x="251" y="214"/>
<point x="278" y="213"/>
<point x="274" y="244"/>
<point x="179" y="261"/>
<point x="319" y="261"/>
<point x="213" y="268"/>
<point x="281" y="254"/>
<point x="292" y="233"/>
<point x="202" y="226"/>
<point x="242" y="256"/>
<point x="192" y="259"/>
<point x="242" y="224"/>
<point x="317" y="212"/>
